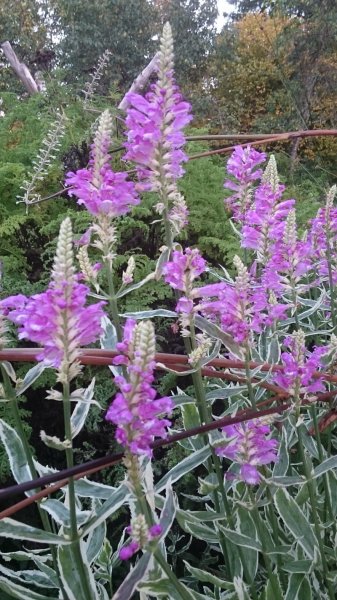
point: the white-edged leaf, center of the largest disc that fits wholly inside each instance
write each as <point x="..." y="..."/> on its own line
<point x="81" y="410"/>
<point x="207" y="577"/>
<point x="19" y="592"/>
<point x="168" y="512"/>
<point x="135" y="286"/>
<point x="298" y="588"/>
<point x="298" y="566"/>
<point x="225" y="392"/>
<point x="108" y="341"/>
<point x="240" y="540"/>
<point x="116" y="499"/>
<point x="149" y="314"/>
<point x="327" y="465"/>
<point x="9" y="370"/>
<point x="72" y="579"/>
<point x="20" y="531"/>
<point x="61" y="513"/>
<point x="32" y="375"/>
<point x="216" y="332"/>
<point x="32" y="577"/>
<point x="297" y="523"/>
<point x="185" y="466"/>
<point x="135" y="576"/>
<point x="16" y="454"/>
<point x="95" y="541"/>
<point x="93" y="489"/>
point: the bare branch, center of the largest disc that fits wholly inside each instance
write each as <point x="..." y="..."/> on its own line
<point x="20" y="69"/>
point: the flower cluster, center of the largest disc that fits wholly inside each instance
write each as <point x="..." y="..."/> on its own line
<point x="250" y="447"/>
<point x="155" y="122"/>
<point x="155" y="137"/>
<point x="299" y="367"/>
<point x="180" y="273"/>
<point x="241" y="307"/>
<point x="323" y="238"/>
<point x="141" y="535"/>
<point x="58" y="318"/>
<point x="242" y="166"/>
<point x="99" y="188"/>
<point x="135" y="410"/>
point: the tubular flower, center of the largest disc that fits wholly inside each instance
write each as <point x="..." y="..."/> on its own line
<point x="155" y="138"/>
<point x="299" y="366"/>
<point x="99" y="188"/>
<point x="242" y="166"/>
<point x="58" y="318"/>
<point x="250" y="447"/>
<point x="135" y="410"/>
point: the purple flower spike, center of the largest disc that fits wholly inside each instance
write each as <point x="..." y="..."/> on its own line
<point x="135" y="410"/>
<point x="250" y="447"/>
<point x="99" y="188"/>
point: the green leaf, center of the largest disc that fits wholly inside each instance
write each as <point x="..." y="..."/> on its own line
<point x="297" y="523"/>
<point x="185" y="466"/>
<point x="247" y="527"/>
<point x="191" y="418"/>
<point x="227" y="392"/>
<point x="149" y="314"/>
<point x="92" y="489"/>
<point x="168" y="511"/>
<point x="198" y="529"/>
<point x="81" y="410"/>
<point x="33" y="577"/>
<point x="116" y="499"/>
<point x="241" y="540"/>
<point x="72" y="578"/>
<point x="18" y="591"/>
<point x="135" y="576"/>
<point x="95" y="542"/>
<point x="325" y="466"/>
<point x="281" y="466"/>
<point x="16" y="454"/>
<point x="298" y="588"/>
<point x="135" y="286"/>
<point x="20" y="531"/>
<point x="298" y="566"/>
<point x="216" y="332"/>
<point x="61" y="513"/>
<point x="32" y="375"/>
<point x="207" y="577"/>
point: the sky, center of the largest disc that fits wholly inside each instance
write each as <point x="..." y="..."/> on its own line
<point x="223" y="6"/>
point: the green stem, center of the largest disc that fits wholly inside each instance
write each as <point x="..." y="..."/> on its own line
<point x="313" y="501"/>
<point x="249" y="379"/>
<point x="327" y="499"/>
<point x="74" y="535"/>
<point x="11" y="396"/>
<point x="259" y="527"/>
<point x="113" y="302"/>
<point x="331" y="284"/>
<point x="184" y="593"/>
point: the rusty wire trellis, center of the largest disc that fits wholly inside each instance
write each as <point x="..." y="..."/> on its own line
<point x="178" y="362"/>
<point x="252" y="139"/>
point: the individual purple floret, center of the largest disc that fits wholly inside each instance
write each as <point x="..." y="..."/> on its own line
<point x="135" y="409"/>
<point x="250" y="446"/>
